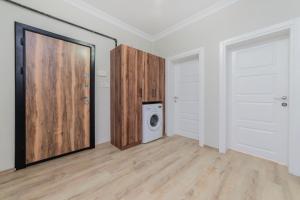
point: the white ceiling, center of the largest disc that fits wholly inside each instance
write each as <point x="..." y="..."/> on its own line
<point x="151" y="19"/>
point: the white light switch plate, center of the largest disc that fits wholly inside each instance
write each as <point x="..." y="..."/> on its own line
<point x="105" y="84"/>
<point x="101" y="73"/>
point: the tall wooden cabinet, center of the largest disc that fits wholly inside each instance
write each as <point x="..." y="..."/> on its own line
<point x="136" y="78"/>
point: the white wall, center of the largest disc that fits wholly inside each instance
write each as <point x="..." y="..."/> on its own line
<point x="8" y="15"/>
<point x="242" y="17"/>
<point x="294" y="148"/>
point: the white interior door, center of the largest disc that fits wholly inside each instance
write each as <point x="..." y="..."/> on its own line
<point x="259" y="100"/>
<point x="187" y="98"/>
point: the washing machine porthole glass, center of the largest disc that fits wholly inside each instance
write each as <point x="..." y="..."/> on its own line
<point x="154" y="120"/>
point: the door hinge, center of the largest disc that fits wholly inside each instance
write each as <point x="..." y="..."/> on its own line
<point x="22" y="41"/>
<point x="22" y="70"/>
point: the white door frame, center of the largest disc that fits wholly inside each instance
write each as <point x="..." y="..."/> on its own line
<point x="170" y="82"/>
<point x="293" y="29"/>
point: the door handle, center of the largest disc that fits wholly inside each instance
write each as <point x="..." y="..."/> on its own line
<point x="86" y="100"/>
<point x="86" y="85"/>
<point x="175" y="99"/>
<point x="283" y="98"/>
<point x="153" y="93"/>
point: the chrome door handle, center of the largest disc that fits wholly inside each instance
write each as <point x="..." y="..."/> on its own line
<point x="283" y="98"/>
<point x="175" y="99"/>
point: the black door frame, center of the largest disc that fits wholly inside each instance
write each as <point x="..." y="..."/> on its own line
<point x="61" y="20"/>
<point x="20" y="92"/>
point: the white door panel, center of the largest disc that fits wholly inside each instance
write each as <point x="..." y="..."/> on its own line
<point x="259" y="121"/>
<point x="262" y="112"/>
<point x="261" y="56"/>
<point x="187" y="91"/>
<point x="244" y="84"/>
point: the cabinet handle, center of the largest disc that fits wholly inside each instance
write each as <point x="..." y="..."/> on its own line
<point x="154" y="92"/>
<point x="141" y="92"/>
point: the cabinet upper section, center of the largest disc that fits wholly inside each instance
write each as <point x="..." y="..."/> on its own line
<point x="145" y="71"/>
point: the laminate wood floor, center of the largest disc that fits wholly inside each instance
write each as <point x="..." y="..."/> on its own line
<point x="173" y="168"/>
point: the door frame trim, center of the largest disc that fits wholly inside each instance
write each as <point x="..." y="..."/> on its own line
<point x="20" y="92"/>
<point x="170" y="108"/>
<point x="292" y="27"/>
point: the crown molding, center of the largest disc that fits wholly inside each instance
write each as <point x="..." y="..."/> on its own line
<point x="108" y="18"/>
<point x="195" y="18"/>
<point x="80" y="4"/>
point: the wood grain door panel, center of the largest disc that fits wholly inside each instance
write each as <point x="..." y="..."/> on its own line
<point x="126" y="96"/>
<point x="161" y="80"/>
<point x="115" y="97"/>
<point x="154" y="79"/>
<point x="131" y="97"/>
<point x="57" y="97"/>
<point x="150" y="78"/>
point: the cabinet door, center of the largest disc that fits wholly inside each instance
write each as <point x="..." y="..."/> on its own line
<point x="161" y="81"/>
<point x="132" y="74"/>
<point x="115" y="97"/>
<point x="154" y="79"/>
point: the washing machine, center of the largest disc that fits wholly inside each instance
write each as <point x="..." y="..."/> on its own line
<point x="152" y="122"/>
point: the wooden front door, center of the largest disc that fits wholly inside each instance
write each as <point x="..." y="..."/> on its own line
<point x="58" y="96"/>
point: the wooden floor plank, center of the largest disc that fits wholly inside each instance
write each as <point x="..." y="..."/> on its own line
<point x="170" y="168"/>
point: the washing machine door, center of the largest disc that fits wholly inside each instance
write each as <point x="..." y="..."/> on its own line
<point x="154" y="121"/>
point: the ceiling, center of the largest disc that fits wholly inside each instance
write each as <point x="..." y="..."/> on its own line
<point x="152" y="19"/>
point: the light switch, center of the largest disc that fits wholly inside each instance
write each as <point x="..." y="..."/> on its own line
<point x="104" y="84"/>
<point x="101" y="73"/>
